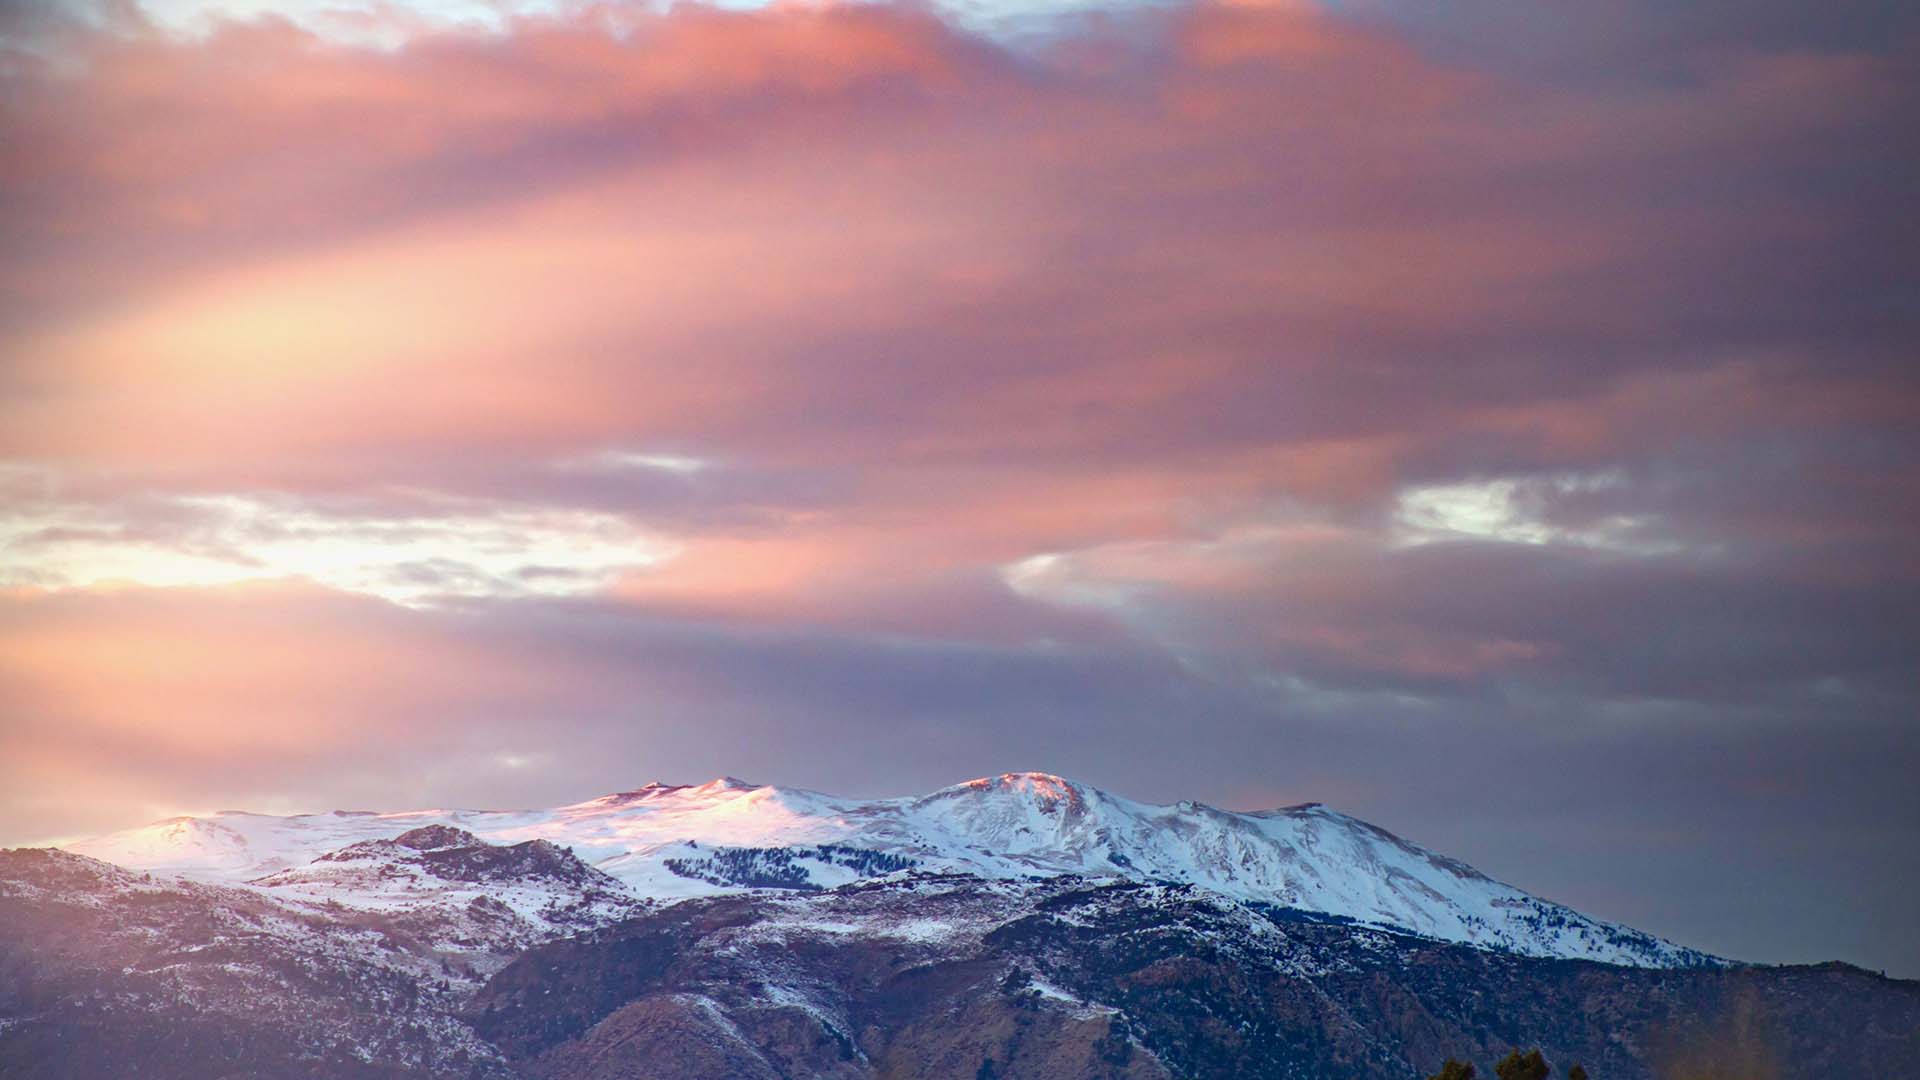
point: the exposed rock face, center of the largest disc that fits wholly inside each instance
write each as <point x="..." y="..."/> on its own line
<point x="436" y="837"/>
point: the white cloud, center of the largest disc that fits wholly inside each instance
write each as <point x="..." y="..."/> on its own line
<point x="1516" y="510"/>
<point x="462" y="549"/>
<point x="1482" y="510"/>
<point x="383" y="23"/>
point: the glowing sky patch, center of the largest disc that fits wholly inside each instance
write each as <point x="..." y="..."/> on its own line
<point x="389" y="24"/>
<point x="620" y="460"/>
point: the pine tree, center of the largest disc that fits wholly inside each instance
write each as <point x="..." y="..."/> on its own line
<point x="1454" y="1070"/>
<point x="1578" y="1072"/>
<point x="1516" y="1066"/>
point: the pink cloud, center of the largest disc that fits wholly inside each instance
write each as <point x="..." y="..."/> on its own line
<point x="800" y="234"/>
<point x="1187" y="299"/>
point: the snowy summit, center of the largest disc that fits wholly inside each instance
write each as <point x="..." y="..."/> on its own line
<point x="664" y="843"/>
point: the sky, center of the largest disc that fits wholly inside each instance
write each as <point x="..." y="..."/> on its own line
<point x="1499" y="422"/>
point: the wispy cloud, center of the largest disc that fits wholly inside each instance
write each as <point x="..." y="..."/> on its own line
<point x="442" y="549"/>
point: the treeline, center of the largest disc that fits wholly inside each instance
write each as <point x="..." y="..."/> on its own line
<point x="1515" y="1066"/>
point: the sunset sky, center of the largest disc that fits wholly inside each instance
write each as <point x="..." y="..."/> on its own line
<point x="1498" y="421"/>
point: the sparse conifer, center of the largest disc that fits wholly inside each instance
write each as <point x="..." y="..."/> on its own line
<point x="1518" y="1066"/>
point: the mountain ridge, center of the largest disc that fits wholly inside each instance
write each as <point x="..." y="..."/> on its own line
<point x="666" y="843"/>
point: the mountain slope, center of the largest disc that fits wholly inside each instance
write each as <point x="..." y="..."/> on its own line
<point x="675" y="842"/>
<point x="105" y="972"/>
<point x="953" y="976"/>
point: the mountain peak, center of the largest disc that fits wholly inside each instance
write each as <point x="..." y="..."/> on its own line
<point x="726" y="783"/>
<point x="1045" y="785"/>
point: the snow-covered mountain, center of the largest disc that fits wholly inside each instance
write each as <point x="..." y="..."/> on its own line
<point x="662" y="843"/>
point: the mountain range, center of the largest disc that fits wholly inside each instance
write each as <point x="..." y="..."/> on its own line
<point x="1017" y="925"/>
